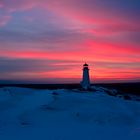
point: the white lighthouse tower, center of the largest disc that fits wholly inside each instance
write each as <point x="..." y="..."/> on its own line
<point x="85" y="83"/>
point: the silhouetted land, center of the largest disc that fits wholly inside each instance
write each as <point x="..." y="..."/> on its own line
<point x="131" y="88"/>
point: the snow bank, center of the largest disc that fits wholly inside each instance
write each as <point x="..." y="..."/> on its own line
<point x="67" y="114"/>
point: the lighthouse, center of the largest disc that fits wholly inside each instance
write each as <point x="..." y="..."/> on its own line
<point x="85" y="83"/>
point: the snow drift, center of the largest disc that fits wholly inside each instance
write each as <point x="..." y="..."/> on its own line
<point x="67" y="114"/>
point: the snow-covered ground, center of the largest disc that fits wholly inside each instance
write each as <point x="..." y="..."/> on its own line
<point x="67" y="115"/>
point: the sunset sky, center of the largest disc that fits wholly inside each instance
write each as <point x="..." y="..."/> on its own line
<point x="49" y="40"/>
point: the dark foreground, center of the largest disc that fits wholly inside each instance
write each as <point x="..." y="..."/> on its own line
<point x="130" y="88"/>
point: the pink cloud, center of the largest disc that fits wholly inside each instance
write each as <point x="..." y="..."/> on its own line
<point x="94" y="12"/>
<point x="1" y="5"/>
<point x="97" y="33"/>
<point x="4" y="20"/>
<point x="19" y="5"/>
<point x="90" y="12"/>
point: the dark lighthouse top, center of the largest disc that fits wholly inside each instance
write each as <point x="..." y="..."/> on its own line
<point x="85" y="65"/>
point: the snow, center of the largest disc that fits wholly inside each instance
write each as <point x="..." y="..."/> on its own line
<point x="67" y="115"/>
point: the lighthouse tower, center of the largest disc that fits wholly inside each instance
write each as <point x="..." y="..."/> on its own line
<point x="85" y="83"/>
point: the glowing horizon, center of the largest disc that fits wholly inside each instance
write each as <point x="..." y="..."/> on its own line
<point x="49" y="40"/>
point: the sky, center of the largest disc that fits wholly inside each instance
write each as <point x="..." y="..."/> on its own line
<point x="48" y="41"/>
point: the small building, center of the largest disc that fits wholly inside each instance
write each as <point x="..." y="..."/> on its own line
<point x="85" y="83"/>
